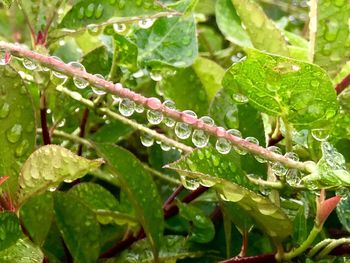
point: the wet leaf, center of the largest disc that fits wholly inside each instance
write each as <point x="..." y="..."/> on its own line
<point x="10" y="230"/>
<point x="140" y="188"/>
<point x="17" y="126"/>
<point x="343" y="211"/>
<point x="23" y="251"/>
<point x="78" y="226"/>
<point x="50" y="165"/>
<point x="262" y="31"/>
<point x="333" y="35"/>
<point x="299" y="92"/>
<point x="36" y="215"/>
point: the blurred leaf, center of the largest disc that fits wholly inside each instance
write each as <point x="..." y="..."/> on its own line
<point x="140" y="188"/>
<point x="10" y="230"/>
<point x="98" y="61"/>
<point x="78" y="226"/>
<point x="299" y="92"/>
<point x="36" y="215"/>
<point x="229" y="23"/>
<point x="88" y="12"/>
<point x="17" y="126"/>
<point x="7" y="3"/>
<point x="23" y="251"/>
<point x="300" y="230"/>
<point x="104" y="134"/>
<point x="343" y="211"/>
<point x="50" y="165"/>
<point x="262" y="31"/>
<point x="333" y="35"/>
<point x="201" y="227"/>
<point x="239" y="217"/>
<point x="209" y="40"/>
<point x="172" y="248"/>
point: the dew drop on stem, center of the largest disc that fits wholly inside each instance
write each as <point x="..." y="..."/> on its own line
<point x="126" y="107"/>
<point x="146" y="140"/>
<point x="98" y="91"/>
<point x="183" y="130"/>
<point x="80" y="83"/>
<point x="29" y="64"/>
<point x="169" y="122"/>
<point x="146" y="23"/>
<point x="56" y="73"/>
<point x="119" y="27"/>
<point x="200" y="138"/>
<point x="154" y="117"/>
<point x="165" y="147"/>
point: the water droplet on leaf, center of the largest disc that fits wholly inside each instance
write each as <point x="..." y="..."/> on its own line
<point x="28" y="64"/>
<point x="320" y="135"/>
<point x="5" y="110"/>
<point x="240" y="98"/>
<point x="14" y="134"/>
<point x="146" y="23"/>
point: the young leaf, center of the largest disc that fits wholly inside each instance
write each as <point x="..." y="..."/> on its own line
<point x="88" y="12"/>
<point x="10" y="230"/>
<point x="333" y="35"/>
<point x="48" y="166"/>
<point x="23" y="251"/>
<point x="17" y="126"/>
<point x="262" y="31"/>
<point x="230" y="24"/>
<point x="140" y="188"/>
<point x="78" y="226"/>
<point x="300" y="92"/>
<point x="36" y="215"/>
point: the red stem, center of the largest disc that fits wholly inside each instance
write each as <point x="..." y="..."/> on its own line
<point x="343" y="84"/>
<point x="43" y="119"/>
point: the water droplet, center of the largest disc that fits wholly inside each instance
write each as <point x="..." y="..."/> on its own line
<point x="22" y="148"/>
<point x="28" y="64"/>
<point x="146" y="23"/>
<point x="279" y="169"/>
<point x="207" y="120"/>
<point x="183" y="130"/>
<point x="52" y="189"/>
<point x="93" y="29"/>
<point x="240" y="98"/>
<point x="58" y="74"/>
<point x="156" y="76"/>
<point x="293" y="177"/>
<point x="138" y="74"/>
<point x="169" y="122"/>
<point x="274" y="149"/>
<point x="320" y="135"/>
<point x="146" y="140"/>
<point x="252" y="140"/>
<point x="231" y="196"/>
<point x="126" y="107"/>
<point x="231" y="118"/>
<point x="223" y="146"/>
<point x="199" y="138"/>
<point x="99" y="11"/>
<point x="154" y="117"/>
<point x="14" y="134"/>
<point x="189" y="183"/>
<point x="267" y="209"/>
<point x="89" y="11"/>
<point x="5" y="110"/>
<point x="139" y="108"/>
<point x="264" y="190"/>
<point x="79" y="82"/>
<point x="5" y="57"/>
<point x="292" y="155"/>
<point x="189" y="117"/>
<point x="314" y="83"/>
<point x="331" y="31"/>
<point x="119" y="27"/>
<point x="165" y="147"/>
<point x="98" y="91"/>
<point x="68" y="181"/>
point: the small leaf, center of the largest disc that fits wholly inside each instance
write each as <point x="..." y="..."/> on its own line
<point x="98" y="61"/>
<point x="17" y="126"/>
<point x="36" y="215"/>
<point x="301" y="93"/>
<point x="140" y="188"/>
<point x="333" y="35"/>
<point x="262" y="31"/>
<point x="23" y="251"/>
<point x="343" y="211"/>
<point x="10" y="230"/>
<point x="78" y="226"/>
<point x="300" y="230"/>
<point x="201" y="227"/>
<point x="50" y="165"/>
<point x="325" y="208"/>
<point x="230" y="24"/>
<point x="125" y="52"/>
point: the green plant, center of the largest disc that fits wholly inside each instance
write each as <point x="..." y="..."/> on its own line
<point x="94" y="172"/>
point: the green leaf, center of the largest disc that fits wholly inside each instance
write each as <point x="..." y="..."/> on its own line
<point x="125" y="52"/>
<point x="7" y="3"/>
<point x="88" y="12"/>
<point x="343" y="211"/>
<point x="140" y="188"/>
<point x="213" y="169"/>
<point x="50" y="165"/>
<point x="333" y="35"/>
<point x="104" y="134"/>
<point x="172" y="249"/>
<point x="330" y="171"/>
<point x="17" y="126"/>
<point x="98" y="61"/>
<point x="300" y="230"/>
<point x="201" y="227"/>
<point x="102" y="203"/>
<point x="239" y="217"/>
<point x="299" y="92"/>
<point x="10" y="230"/>
<point x="78" y="226"/>
<point x="23" y="251"/>
<point x="36" y="215"/>
<point x="229" y="23"/>
<point x="171" y="41"/>
<point x="262" y="31"/>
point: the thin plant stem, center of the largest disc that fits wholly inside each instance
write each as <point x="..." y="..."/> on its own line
<point x="83" y="124"/>
<point x="172" y="197"/>
<point x="312" y="29"/>
<point x="318" y="247"/>
<point x="161" y="175"/>
<point x="155" y="104"/>
<point x="332" y="245"/>
<point x="43" y="119"/>
<point x="342" y="85"/>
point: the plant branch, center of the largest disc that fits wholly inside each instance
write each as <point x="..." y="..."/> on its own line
<point x="172" y="197"/>
<point x="155" y="104"/>
<point x="83" y="124"/>
<point x="342" y="85"/>
<point x="43" y="119"/>
<point x="312" y="29"/>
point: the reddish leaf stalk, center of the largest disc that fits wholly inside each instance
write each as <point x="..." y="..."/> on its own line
<point x="43" y="119"/>
<point x="342" y="85"/>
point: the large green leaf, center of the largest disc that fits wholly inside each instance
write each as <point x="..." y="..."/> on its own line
<point x="299" y="92"/>
<point x="230" y="24"/>
<point x="262" y="31"/>
<point x="140" y="188"/>
<point x="23" y="251"/>
<point x="10" y="230"/>
<point x="343" y="212"/>
<point x="78" y="226"/>
<point x="36" y="215"/>
<point x="172" y="249"/>
<point x="212" y="169"/>
<point x="17" y="126"/>
<point x="50" y="165"/>
<point x="88" y="12"/>
<point x="332" y="46"/>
